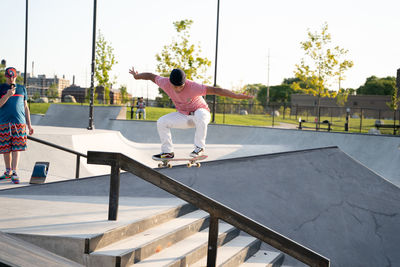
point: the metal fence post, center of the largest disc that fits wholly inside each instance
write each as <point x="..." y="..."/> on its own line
<point x="273" y="115"/>
<point x="223" y="113"/>
<point x="361" y="115"/>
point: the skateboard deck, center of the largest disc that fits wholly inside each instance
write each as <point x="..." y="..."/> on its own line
<point x="192" y="161"/>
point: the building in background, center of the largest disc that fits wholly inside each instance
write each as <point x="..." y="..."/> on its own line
<point x="78" y="93"/>
<point x="373" y="106"/>
<point x="39" y="86"/>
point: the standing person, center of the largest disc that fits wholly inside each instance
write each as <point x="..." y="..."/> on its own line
<point x="140" y="108"/>
<point x="192" y="109"/>
<point x="14" y="117"/>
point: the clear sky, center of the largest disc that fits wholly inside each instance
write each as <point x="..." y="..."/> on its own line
<point x="60" y="36"/>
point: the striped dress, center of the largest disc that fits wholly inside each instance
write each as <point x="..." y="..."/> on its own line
<point x="12" y="120"/>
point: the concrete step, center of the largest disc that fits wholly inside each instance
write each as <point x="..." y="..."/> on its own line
<point x="264" y="258"/>
<point x="73" y="226"/>
<point x="189" y="250"/>
<point x="234" y="252"/>
<point x="137" y="247"/>
<point x="104" y="239"/>
<point x="16" y="252"/>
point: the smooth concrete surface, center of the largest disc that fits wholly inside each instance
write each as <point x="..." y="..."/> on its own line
<point x="78" y="116"/>
<point x="348" y="214"/>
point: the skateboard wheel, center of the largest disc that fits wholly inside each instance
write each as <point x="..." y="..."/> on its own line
<point x="188" y="165"/>
<point x="169" y="165"/>
<point x="160" y="165"/>
<point x="198" y="164"/>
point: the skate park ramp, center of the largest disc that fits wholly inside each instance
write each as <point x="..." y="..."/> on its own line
<point x="78" y="116"/>
<point x="379" y="153"/>
<point x="349" y="214"/>
<point x="62" y="164"/>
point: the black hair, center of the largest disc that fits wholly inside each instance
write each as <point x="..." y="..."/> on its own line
<point x="177" y="77"/>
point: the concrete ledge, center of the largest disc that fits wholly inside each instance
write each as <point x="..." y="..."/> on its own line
<point x="16" y="252"/>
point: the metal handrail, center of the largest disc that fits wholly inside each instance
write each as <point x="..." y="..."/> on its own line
<point x="216" y="210"/>
<point x="78" y="154"/>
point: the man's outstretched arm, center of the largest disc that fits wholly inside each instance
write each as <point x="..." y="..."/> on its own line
<point x="143" y="76"/>
<point x="224" y="92"/>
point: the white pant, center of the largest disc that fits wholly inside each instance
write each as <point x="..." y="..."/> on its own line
<point x="199" y="120"/>
<point x="141" y="110"/>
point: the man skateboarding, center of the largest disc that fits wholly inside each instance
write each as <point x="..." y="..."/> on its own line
<point x="192" y="109"/>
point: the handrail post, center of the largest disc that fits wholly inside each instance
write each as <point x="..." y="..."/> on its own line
<point x="212" y="242"/>
<point x="114" y="192"/>
<point x="78" y="165"/>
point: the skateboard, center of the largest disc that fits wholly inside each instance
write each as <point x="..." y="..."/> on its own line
<point x="39" y="173"/>
<point x="191" y="161"/>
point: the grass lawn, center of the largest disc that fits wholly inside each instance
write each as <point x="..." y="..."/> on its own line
<point x="153" y="113"/>
<point x="39" y="108"/>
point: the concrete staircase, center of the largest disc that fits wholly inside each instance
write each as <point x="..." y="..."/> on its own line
<point x="162" y="240"/>
<point x="149" y="232"/>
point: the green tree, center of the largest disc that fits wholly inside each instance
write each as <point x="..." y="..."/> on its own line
<point x="322" y="64"/>
<point x="105" y="60"/>
<point x="378" y="86"/>
<point x="342" y="97"/>
<point x="36" y="96"/>
<point x="52" y="92"/>
<point x="124" y="94"/>
<point x="95" y="97"/>
<point x="183" y="55"/>
<point x="394" y="104"/>
<point x="277" y="93"/>
<point x="2" y="76"/>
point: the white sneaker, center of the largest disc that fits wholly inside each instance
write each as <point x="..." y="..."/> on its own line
<point x="198" y="151"/>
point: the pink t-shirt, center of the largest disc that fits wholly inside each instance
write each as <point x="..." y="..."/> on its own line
<point x="189" y="99"/>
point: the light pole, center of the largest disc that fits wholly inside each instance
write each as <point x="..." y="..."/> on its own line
<point x="215" y="69"/>
<point x="26" y="41"/>
<point x="90" y="127"/>
<point x="346" y="125"/>
<point x="268" y="82"/>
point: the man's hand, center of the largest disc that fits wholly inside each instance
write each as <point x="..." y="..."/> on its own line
<point x="134" y="73"/>
<point x="143" y="75"/>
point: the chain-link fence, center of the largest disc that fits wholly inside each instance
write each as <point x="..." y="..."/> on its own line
<point x="319" y="118"/>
